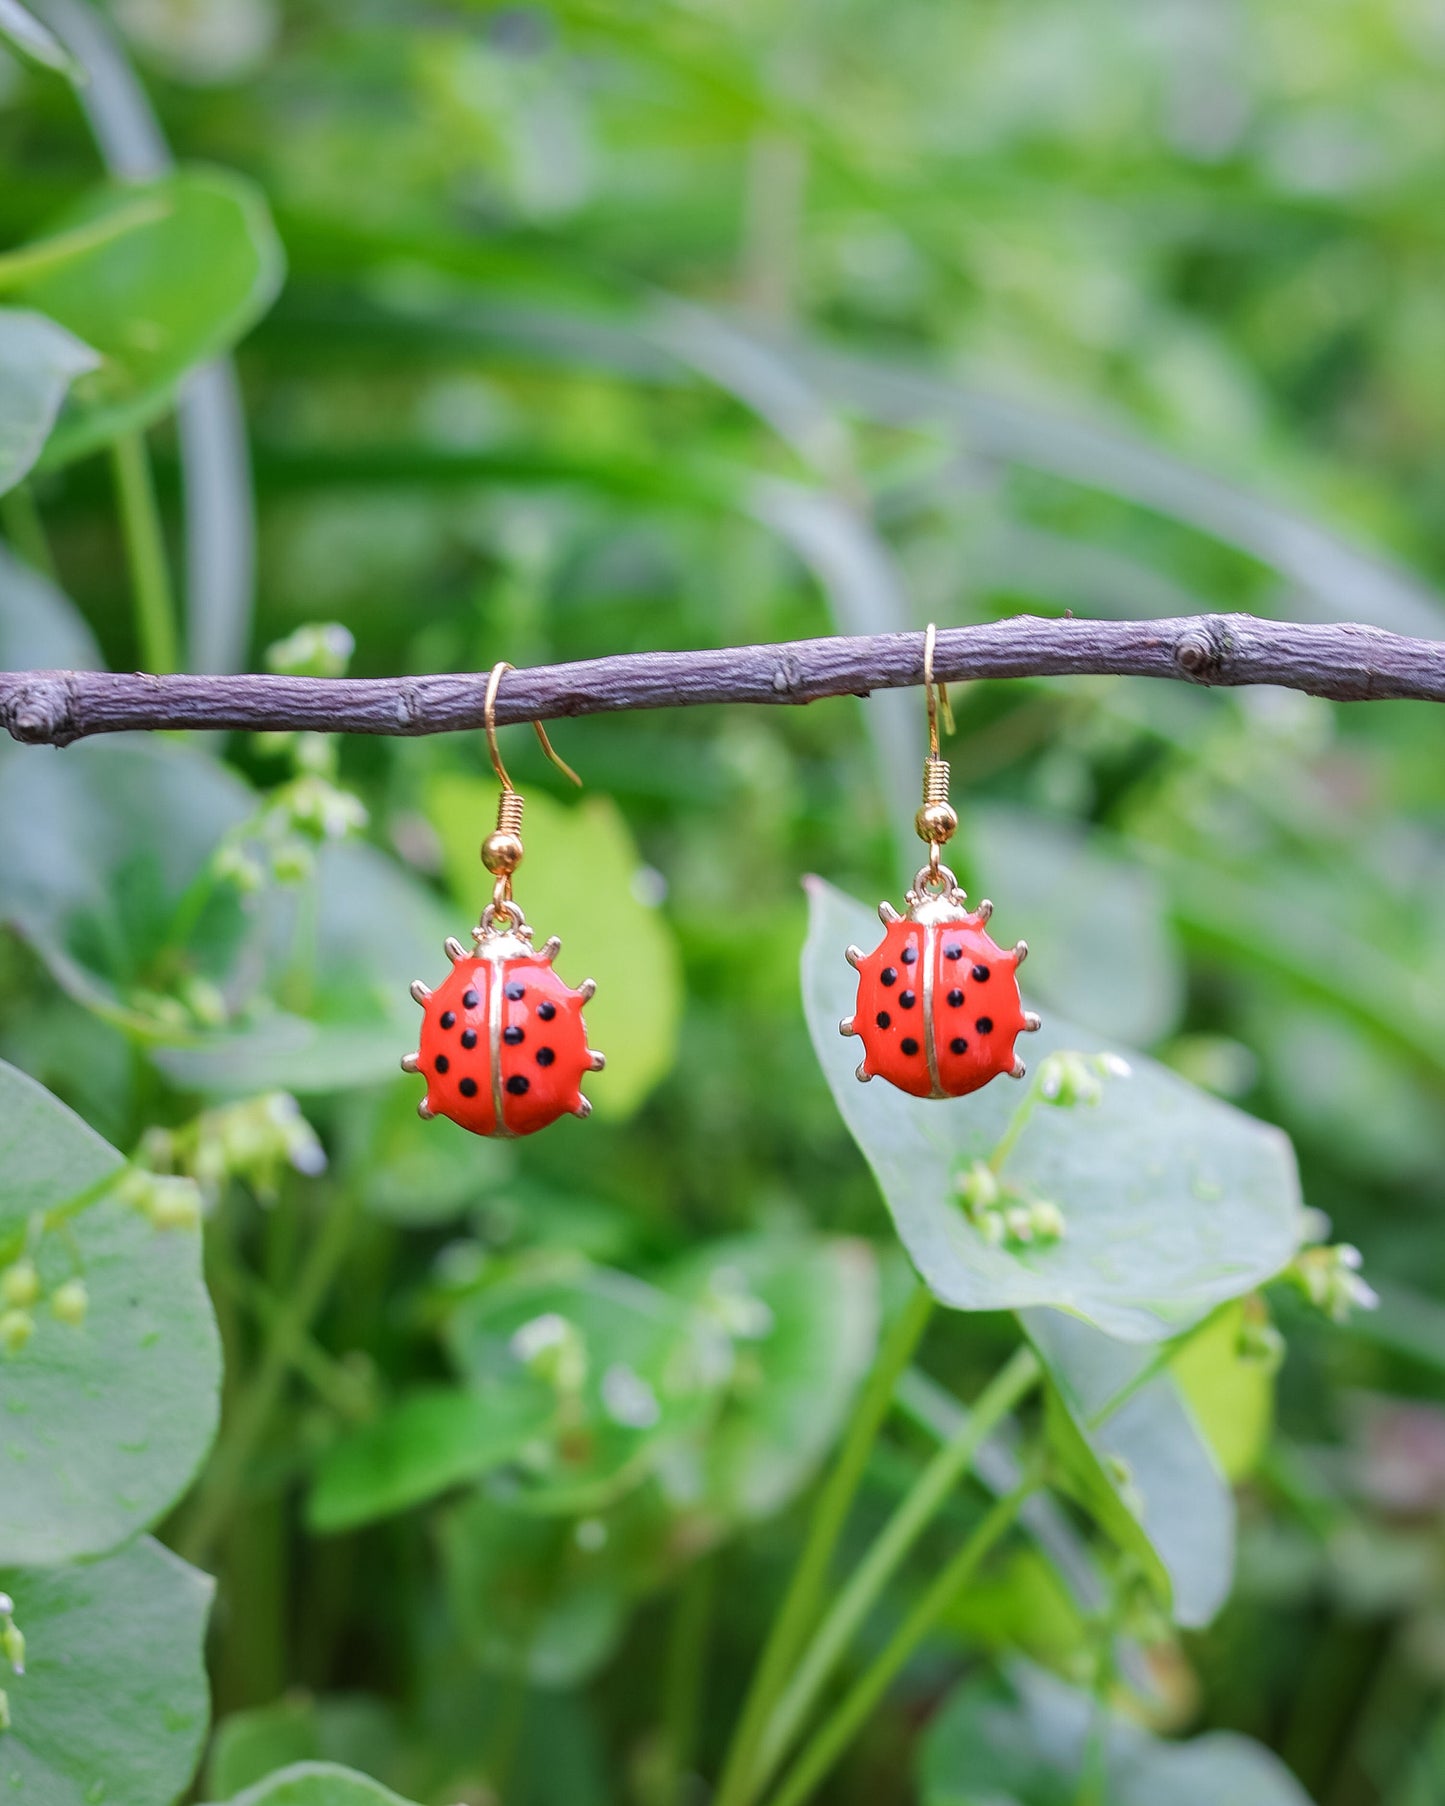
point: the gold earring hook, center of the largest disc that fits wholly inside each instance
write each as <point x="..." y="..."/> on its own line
<point x="936" y="822"/>
<point x="936" y="693"/>
<point x="489" y="722"/>
<point x="502" y="850"/>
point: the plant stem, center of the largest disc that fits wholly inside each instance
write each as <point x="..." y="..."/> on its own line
<point x="217" y="1495"/>
<point x="846" y="1720"/>
<point x="25" y="530"/>
<point x="155" y="613"/>
<point x="796" y="1614"/>
<point x="1161" y="1359"/>
<point x="683" y="1683"/>
<point x="1010" y="1384"/>
<point x="1017" y="1123"/>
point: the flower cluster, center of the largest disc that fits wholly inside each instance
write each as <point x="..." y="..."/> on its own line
<point x="22" y="1291"/>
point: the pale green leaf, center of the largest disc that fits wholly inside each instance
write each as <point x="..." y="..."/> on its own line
<point x="102" y="1423"/>
<point x="39" y="360"/>
<point x="1142" y="1468"/>
<point x="40" y="629"/>
<point x="1173" y="1201"/>
<point x="34" y="42"/>
<point x="1026" y="1740"/>
<point x="113" y="1703"/>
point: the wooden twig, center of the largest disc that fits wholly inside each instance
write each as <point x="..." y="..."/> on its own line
<point x="1346" y="662"/>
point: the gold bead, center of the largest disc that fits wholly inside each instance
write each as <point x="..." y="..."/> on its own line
<point x="936" y="822"/>
<point x="502" y="852"/>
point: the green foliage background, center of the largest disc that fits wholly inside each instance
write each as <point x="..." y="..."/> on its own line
<point x="591" y="328"/>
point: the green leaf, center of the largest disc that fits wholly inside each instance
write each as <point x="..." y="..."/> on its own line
<point x="40" y="629"/>
<point x="342" y="948"/>
<point x="652" y="1372"/>
<point x="1143" y="1470"/>
<point x="1100" y="947"/>
<point x="804" y="1317"/>
<point x="36" y="43"/>
<point x="156" y="300"/>
<point x="318" y="1784"/>
<point x="1173" y="1200"/>
<point x="99" y="848"/>
<point x="47" y="1154"/>
<point x="424" y="1444"/>
<point x="39" y="360"/>
<point x="105" y="868"/>
<point x="350" y="1728"/>
<point x="531" y="1598"/>
<point x="102" y="1423"/>
<point x="113" y="1703"/>
<point x="579" y="881"/>
<point x="1229" y="1392"/>
<point x="1026" y="1740"/>
<point x="412" y="1178"/>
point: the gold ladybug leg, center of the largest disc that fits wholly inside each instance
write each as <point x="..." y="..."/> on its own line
<point x="587" y="990"/>
<point x="424" y="1110"/>
<point x="1019" y="1069"/>
<point x="550" y="948"/>
<point x="1020" y="952"/>
<point x="1033" y="1022"/>
<point x="420" y="991"/>
<point x="888" y="915"/>
<point x="583" y="1107"/>
<point x="862" y="1073"/>
<point x="595" y="1061"/>
<point x="854" y="956"/>
<point x="454" y="949"/>
<point x="845" y="1027"/>
<point x="411" y="1062"/>
<point x="984" y="911"/>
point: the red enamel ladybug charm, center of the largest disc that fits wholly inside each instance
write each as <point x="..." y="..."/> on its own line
<point x="503" y="1048"/>
<point x="938" y="1000"/>
<point x="938" y="1005"/>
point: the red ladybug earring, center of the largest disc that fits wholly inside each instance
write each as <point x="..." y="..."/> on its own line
<point x="503" y="1048"/>
<point x="938" y="1006"/>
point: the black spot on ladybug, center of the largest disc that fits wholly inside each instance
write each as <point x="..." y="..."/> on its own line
<point x="471" y="1000"/>
<point x="516" y="990"/>
<point x="442" y="1062"/>
<point x="955" y="999"/>
<point x="468" y="1087"/>
<point x="519" y="1084"/>
<point x="909" y="955"/>
<point x="545" y="1056"/>
<point x="883" y="1019"/>
<point x="889" y="975"/>
<point x="953" y="951"/>
<point x="958" y="1045"/>
<point x="981" y="974"/>
<point x="448" y="1019"/>
<point x="906" y="1000"/>
<point x="512" y="1036"/>
<point x="909" y="1045"/>
<point x="984" y="1025"/>
<point x="546" y="1010"/>
<point x="469" y="1037"/>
